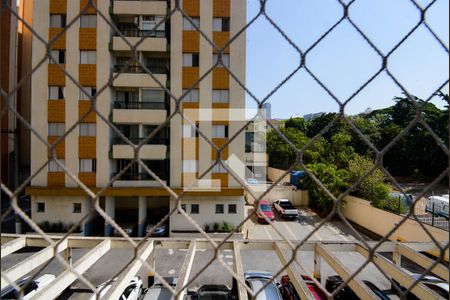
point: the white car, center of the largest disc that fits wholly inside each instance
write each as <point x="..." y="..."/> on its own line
<point x="285" y="208"/>
<point x="132" y="292"/>
<point x="30" y="290"/>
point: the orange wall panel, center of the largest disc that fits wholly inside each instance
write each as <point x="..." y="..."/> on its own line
<point x="83" y="107"/>
<point x="191" y="7"/>
<point x="88" y="179"/>
<point x="221" y="79"/>
<point x="221" y="8"/>
<point x="190" y="76"/>
<point x="87" y="147"/>
<point x="56" y="179"/>
<point x="87" y="74"/>
<point x="60" y="148"/>
<point x="191" y="41"/>
<point x="88" y="39"/>
<point x="55" y="75"/>
<point x="222" y="177"/>
<point x="60" y="42"/>
<point x="56" y="111"/>
<point x="58" y="6"/>
<point x="219" y="143"/>
<point x="90" y="9"/>
<point x="221" y="39"/>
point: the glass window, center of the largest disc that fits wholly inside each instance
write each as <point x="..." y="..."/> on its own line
<point x="183" y="207"/>
<point x="190" y="60"/>
<point x="189" y="131"/>
<point x="221" y="24"/>
<point x="221" y="96"/>
<point x="40" y="207"/>
<point x="88" y="21"/>
<point x="187" y="24"/>
<point x="76" y="208"/>
<point x="56" y="129"/>
<point x="88" y="57"/>
<point x="232" y="208"/>
<point x="87" y="129"/>
<point x="219" y="208"/>
<point x="220" y="131"/>
<point x="56" y="92"/>
<point x="87" y="90"/>
<point x="225" y="60"/>
<point x="57" y="21"/>
<point x="190" y="166"/>
<point x="192" y="96"/>
<point x="53" y="167"/>
<point x="57" y="57"/>
<point x="87" y="165"/>
<point x="195" y="209"/>
<point x="149" y="95"/>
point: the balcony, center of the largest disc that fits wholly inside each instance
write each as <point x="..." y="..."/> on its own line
<point x="139" y="180"/>
<point x="147" y="152"/>
<point x="149" y="113"/>
<point x="133" y="7"/>
<point x="135" y="77"/>
<point x="138" y="140"/>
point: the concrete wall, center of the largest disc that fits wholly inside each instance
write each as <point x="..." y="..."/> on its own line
<point x="297" y="197"/>
<point x="361" y="212"/>
<point x="58" y="209"/>
<point x="274" y="174"/>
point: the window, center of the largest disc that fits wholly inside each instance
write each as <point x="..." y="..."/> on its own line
<point x="232" y="208"/>
<point x="149" y="95"/>
<point x="218" y="169"/>
<point x="195" y="209"/>
<point x="88" y="21"/>
<point x="53" y="167"/>
<point x="40" y="207"/>
<point x="58" y="57"/>
<point x="189" y="131"/>
<point x="76" y="208"/>
<point x="220" y="131"/>
<point x="56" y="92"/>
<point x="88" y="57"/>
<point x="87" y="90"/>
<point x="57" y="21"/>
<point x="150" y="23"/>
<point x="221" y="96"/>
<point x="221" y="24"/>
<point x="87" y="129"/>
<point x="191" y="60"/>
<point x="187" y="24"/>
<point x="190" y="166"/>
<point x="56" y="129"/>
<point x="88" y="165"/>
<point x="219" y="208"/>
<point x="183" y="207"/>
<point x="191" y="96"/>
<point x="225" y="60"/>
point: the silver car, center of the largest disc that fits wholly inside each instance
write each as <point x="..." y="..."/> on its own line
<point x="255" y="280"/>
<point x="159" y="292"/>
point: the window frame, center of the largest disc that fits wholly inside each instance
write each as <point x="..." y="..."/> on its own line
<point x="188" y="26"/>
<point x="221" y="24"/>
<point x="220" y="209"/>
<point x="59" y="56"/>
<point x="234" y="211"/>
<point x="76" y="208"/>
<point x="91" y="90"/>
<point x="89" y="23"/>
<point x="56" y="128"/>
<point x="193" y="96"/>
<point x="53" y="167"/>
<point x="215" y="134"/>
<point x="60" y="91"/>
<point x="87" y="129"/>
<point x="191" y="60"/>
<point x="40" y="207"/>
<point x="195" y="211"/>
<point x="225" y="60"/>
<point x="87" y="165"/>
<point x="88" y="57"/>
<point x="223" y="96"/>
<point x="54" y="23"/>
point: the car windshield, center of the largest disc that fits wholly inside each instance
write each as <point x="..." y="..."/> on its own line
<point x="265" y="207"/>
<point x="285" y="205"/>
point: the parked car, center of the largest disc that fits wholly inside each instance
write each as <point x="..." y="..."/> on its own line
<point x="285" y="208"/>
<point x="252" y="181"/>
<point x="441" y="287"/>
<point x="129" y="228"/>
<point x="438" y="206"/>
<point x="346" y="293"/>
<point x="159" y="292"/>
<point x="289" y="293"/>
<point x="161" y="230"/>
<point x="405" y="199"/>
<point x="133" y="290"/>
<point x="30" y="290"/>
<point x="212" y="292"/>
<point x="255" y="280"/>
<point x="265" y="210"/>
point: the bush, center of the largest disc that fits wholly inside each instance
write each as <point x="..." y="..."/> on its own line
<point x="206" y="227"/>
<point x="227" y="227"/>
<point x="216" y="227"/>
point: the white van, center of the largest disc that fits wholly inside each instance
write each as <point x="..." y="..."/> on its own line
<point x="440" y="206"/>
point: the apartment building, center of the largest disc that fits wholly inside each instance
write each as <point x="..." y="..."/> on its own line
<point x="105" y="74"/>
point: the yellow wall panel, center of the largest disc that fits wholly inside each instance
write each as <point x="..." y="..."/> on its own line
<point x="55" y="75"/>
<point x="90" y="9"/>
<point x="87" y="74"/>
<point x="56" y="111"/>
<point x="191" y="41"/>
<point x="58" y="6"/>
<point x="88" y="39"/>
<point x="88" y="179"/>
<point x="60" y="42"/>
<point x="87" y="147"/>
<point x="222" y="177"/>
<point x="221" y="8"/>
<point x="221" y="39"/>
<point x="190" y="76"/>
<point x="56" y="179"/>
<point x="221" y="79"/>
<point x="191" y="7"/>
<point x="219" y="143"/>
<point x="60" y="148"/>
<point x="83" y="107"/>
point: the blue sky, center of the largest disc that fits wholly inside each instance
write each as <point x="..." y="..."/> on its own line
<point x="343" y="61"/>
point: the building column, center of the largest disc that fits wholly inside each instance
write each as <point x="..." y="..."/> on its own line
<point x="142" y="215"/>
<point x="110" y="209"/>
<point x="88" y="208"/>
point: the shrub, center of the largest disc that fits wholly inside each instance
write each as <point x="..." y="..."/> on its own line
<point x="206" y="227"/>
<point x="227" y="227"/>
<point x="216" y="227"/>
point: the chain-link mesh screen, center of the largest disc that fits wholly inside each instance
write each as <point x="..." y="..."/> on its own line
<point x="134" y="63"/>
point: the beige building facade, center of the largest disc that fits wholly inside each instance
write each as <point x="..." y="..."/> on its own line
<point x="106" y="75"/>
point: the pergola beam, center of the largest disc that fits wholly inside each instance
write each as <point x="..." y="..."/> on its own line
<point x="67" y="277"/>
<point x="13" y="246"/>
<point x="239" y="270"/>
<point x="295" y="277"/>
<point x="355" y="284"/>
<point x="398" y="274"/>
<point x="31" y="263"/>
<point x="186" y="268"/>
<point x="124" y="279"/>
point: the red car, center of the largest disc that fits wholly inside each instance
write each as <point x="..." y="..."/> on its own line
<point x="265" y="210"/>
<point x="288" y="291"/>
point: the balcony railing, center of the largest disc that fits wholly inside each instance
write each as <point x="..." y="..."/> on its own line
<point x="139" y="105"/>
<point x="134" y="32"/>
<point x="141" y="176"/>
<point x="137" y="140"/>
<point x="138" y="69"/>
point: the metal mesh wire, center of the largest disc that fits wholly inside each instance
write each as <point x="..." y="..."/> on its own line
<point x="346" y="17"/>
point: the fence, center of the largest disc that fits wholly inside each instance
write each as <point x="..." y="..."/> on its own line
<point x="142" y="248"/>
